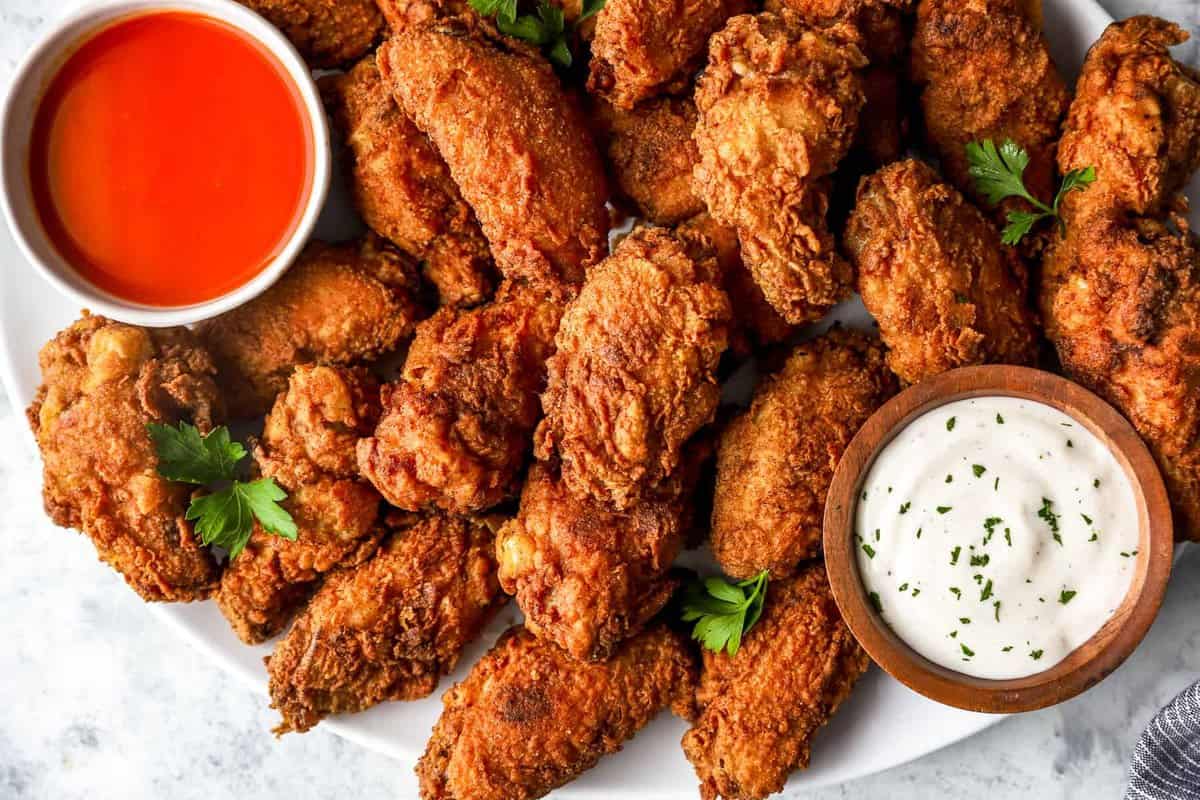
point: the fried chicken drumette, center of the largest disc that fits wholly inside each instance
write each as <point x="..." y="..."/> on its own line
<point x="932" y="271"/>
<point x="389" y="628"/>
<point x="1120" y="291"/>
<point x="529" y="718"/>
<point x="102" y="382"/>
<point x="308" y="448"/>
<point x="338" y="304"/>
<point x="761" y="708"/>
<point x="775" y="461"/>
<point x="633" y="375"/>
<point x="328" y="33"/>
<point x="779" y="106"/>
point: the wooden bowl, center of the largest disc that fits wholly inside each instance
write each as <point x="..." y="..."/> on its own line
<point x="1092" y="661"/>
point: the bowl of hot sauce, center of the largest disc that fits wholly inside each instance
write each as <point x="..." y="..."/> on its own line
<point x="163" y="161"/>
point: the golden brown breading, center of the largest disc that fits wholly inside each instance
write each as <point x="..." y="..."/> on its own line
<point x="517" y="145"/>
<point x="338" y="304"/>
<point x="456" y="427"/>
<point x="776" y="460"/>
<point x="633" y="375"/>
<point x="760" y="709"/>
<point x="389" y="628"/>
<point x="529" y="718"/>
<point x="308" y="448"/>
<point x="1121" y="291"/>
<point x="779" y="106"/>
<point x="102" y="382"/>
<point x="932" y="271"/>
<point x="328" y="33"/>
<point x="403" y="189"/>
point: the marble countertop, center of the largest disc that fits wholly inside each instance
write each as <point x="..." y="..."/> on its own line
<point x="101" y="700"/>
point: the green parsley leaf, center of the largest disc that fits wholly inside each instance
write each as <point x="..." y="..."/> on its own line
<point x="987" y="591"/>
<point x="724" y="612"/>
<point x="186" y="456"/>
<point x="968" y="652"/>
<point x="954" y="590"/>
<point x="996" y="608"/>
<point x="875" y="602"/>
<point x="1035" y="655"/>
<point x="903" y="587"/>
<point x="1046" y="512"/>
<point x="590" y="9"/>
<point x="999" y="420"/>
<point x="1086" y="518"/>
<point x="978" y="469"/>
<point x="950" y="424"/>
<point x="870" y="551"/>
<point x="980" y="561"/>
<point x="944" y="509"/>
<point x="949" y="479"/>
<point x="904" y="507"/>
<point x="954" y="555"/>
<point x="1006" y="649"/>
<point x="1066" y="595"/>
<point x="226" y="518"/>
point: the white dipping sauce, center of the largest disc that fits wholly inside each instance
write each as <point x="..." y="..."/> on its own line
<point x="996" y="535"/>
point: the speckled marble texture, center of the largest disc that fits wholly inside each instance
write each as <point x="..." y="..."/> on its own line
<point x="99" y="700"/>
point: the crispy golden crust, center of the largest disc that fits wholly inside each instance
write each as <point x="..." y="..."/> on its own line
<point x="102" y="382"/>
<point x="338" y="304"/>
<point x="760" y="709"/>
<point x="633" y="376"/>
<point x="389" y="628"/>
<point x="328" y="33"/>
<point x="779" y="107"/>
<point x="456" y="427"/>
<point x="516" y="144"/>
<point x="403" y="189"/>
<point x="308" y="448"/>
<point x="932" y="271"/>
<point x="775" y="461"/>
<point x="530" y="718"/>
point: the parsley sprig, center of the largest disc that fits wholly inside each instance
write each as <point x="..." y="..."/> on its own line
<point x="546" y="29"/>
<point x="723" y="611"/>
<point x="225" y="516"/>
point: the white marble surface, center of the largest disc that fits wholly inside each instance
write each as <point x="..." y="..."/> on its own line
<point x="99" y="700"/>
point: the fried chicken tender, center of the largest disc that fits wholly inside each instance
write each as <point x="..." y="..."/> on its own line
<point x="456" y="427"/>
<point x="338" y="304"/>
<point x="760" y="709"/>
<point x="529" y="718"/>
<point x="775" y="461"/>
<point x="389" y="628"/>
<point x="102" y="382"/>
<point x="633" y="376"/>
<point x="328" y="33"/>
<point x="932" y="271"/>
<point x="779" y="107"/>
<point x="308" y="448"/>
<point x="1120" y="292"/>
<point x="517" y="145"/>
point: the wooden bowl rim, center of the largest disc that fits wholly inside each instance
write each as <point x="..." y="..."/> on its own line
<point x="1092" y="661"/>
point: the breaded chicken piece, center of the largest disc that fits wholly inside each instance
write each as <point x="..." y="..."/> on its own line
<point x="529" y="718"/>
<point x="403" y="189"/>
<point x="456" y="427"/>
<point x="308" y="448"/>
<point x="779" y="106"/>
<point x="1120" y="292"/>
<point x="775" y="461"/>
<point x="932" y="271"/>
<point x="517" y="145"/>
<point x="760" y="709"/>
<point x="102" y="382"/>
<point x="633" y="374"/>
<point x="338" y="304"/>
<point x="389" y="628"/>
<point x="328" y="33"/>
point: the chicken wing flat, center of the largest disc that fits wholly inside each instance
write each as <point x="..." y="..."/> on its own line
<point x="516" y="144"/>
<point x="308" y="448"/>
<point x="389" y="628"/>
<point x="1120" y="291"/>
<point x="102" y="382"/>
<point x="932" y="271"/>
<point x="779" y="106"/>
<point x="775" y="461"/>
<point x="633" y="375"/>
<point x="328" y="33"/>
<point x="760" y="709"/>
<point x="529" y="718"/>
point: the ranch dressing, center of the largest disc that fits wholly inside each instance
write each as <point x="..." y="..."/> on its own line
<point x="996" y="535"/>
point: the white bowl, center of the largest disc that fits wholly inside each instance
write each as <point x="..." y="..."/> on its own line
<point x="16" y="122"/>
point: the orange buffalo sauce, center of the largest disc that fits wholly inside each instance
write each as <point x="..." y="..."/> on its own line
<point x="170" y="159"/>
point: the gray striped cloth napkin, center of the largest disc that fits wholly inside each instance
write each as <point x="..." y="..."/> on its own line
<point x="1166" y="761"/>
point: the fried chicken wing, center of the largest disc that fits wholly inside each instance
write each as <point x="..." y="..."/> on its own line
<point x="516" y="144"/>
<point x="932" y="271"/>
<point x="308" y="448"/>
<point x="328" y="33"/>
<point x="389" y="628"/>
<point x="775" y="461"/>
<point x="102" y="382"/>
<point x="529" y="718"/>
<point x="633" y="376"/>
<point x="779" y="107"/>
<point x="760" y="709"/>
<point x="338" y="304"/>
